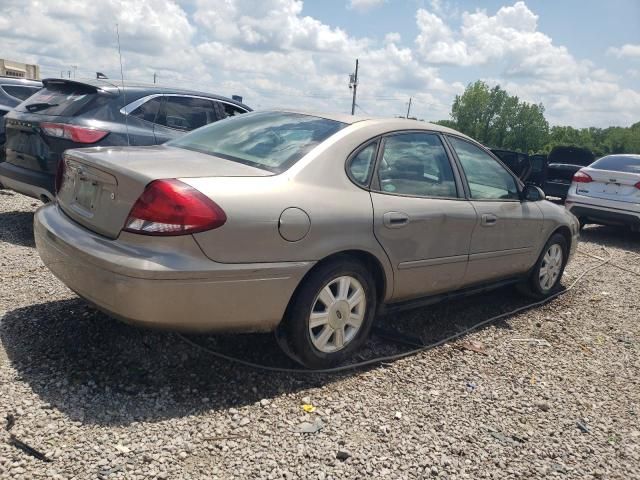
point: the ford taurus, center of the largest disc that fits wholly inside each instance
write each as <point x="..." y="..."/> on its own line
<point x="298" y="223"/>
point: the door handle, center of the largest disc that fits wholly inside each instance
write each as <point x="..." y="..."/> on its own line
<point x="395" y="219"/>
<point x="489" y="219"/>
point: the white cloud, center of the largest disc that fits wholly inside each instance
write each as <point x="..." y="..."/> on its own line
<point x="528" y="63"/>
<point x="274" y="55"/>
<point x="509" y="36"/>
<point x="364" y="5"/>
<point x="627" y="50"/>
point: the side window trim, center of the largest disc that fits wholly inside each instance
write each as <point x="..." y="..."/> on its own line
<point x="467" y="189"/>
<point x="130" y="107"/>
<point x="347" y="166"/>
<point x="375" y="183"/>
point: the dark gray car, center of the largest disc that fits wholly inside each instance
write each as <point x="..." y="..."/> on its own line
<point x="69" y="114"/>
<point x="12" y="92"/>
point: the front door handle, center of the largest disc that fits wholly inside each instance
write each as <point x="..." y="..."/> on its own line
<point x="489" y="219"/>
<point x="395" y="219"/>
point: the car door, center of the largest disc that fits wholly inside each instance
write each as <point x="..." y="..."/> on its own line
<point x="420" y="216"/>
<point x="507" y="230"/>
<point x="180" y="114"/>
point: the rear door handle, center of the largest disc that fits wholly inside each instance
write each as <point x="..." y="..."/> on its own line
<point x="395" y="219"/>
<point x="489" y="219"/>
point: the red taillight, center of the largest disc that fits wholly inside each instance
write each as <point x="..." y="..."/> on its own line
<point x="171" y="207"/>
<point x="60" y="174"/>
<point x="73" y="132"/>
<point x="581" y="177"/>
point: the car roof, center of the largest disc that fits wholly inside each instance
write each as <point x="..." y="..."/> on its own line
<point x="112" y="85"/>
<point x="390" y="123"/>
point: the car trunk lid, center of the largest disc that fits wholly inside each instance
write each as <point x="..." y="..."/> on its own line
<point x="99" y="186"/>
<point x="611" y="185"/>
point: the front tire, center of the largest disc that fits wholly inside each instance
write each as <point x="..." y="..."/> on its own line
<point x="544" y="280"/>
<point x="331" y="314"/>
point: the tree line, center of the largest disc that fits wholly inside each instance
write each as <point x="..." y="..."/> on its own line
<point x="499" y="120"/>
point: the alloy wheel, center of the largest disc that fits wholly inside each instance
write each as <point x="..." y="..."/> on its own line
<point x="551" y="267"/>
<point x="337" y="314"/>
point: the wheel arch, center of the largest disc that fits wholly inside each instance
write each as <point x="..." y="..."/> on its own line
<point x="566" y="233"/>
<point x="380" y="275"/>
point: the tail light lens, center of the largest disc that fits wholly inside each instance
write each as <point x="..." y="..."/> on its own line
<point x="73" y="132"/>
<point x="171" y="207"/>
<point x="637" y="185"/>
<point x="62" y="165"/>
<point x="581" y="177"/>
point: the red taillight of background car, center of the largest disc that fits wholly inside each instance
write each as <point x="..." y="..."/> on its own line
<point x="73" y="132"/>
<point x="581" y="177"/>
<point x="171" y="207"/>
<point x="637" y="185"/>
<point x="62" y="165"/>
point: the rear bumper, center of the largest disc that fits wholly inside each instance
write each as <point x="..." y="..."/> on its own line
<point x="28" y="182"/>
<point x="174" y="287"/>
<point x="605" y="215"/>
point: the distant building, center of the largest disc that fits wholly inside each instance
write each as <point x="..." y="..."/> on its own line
<point x="9" y="68"/>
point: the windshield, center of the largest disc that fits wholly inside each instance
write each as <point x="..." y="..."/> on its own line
<point x="618" y="163"/>
<point x="273" y="141"/>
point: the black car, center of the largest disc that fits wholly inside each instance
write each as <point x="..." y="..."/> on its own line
<point x="563" y="162"/>
<point x="531" y="169"/>
<point x="73" y="114"/>
<point x="12" y="92"/>
<point x="517" y="162"/>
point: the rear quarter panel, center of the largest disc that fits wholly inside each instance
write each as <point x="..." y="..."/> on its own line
<point x="340" y="213"/>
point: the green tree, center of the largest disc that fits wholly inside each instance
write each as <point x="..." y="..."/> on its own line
<point x="497" y="119"/>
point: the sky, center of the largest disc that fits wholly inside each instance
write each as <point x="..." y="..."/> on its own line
<point x="579" y="58"/>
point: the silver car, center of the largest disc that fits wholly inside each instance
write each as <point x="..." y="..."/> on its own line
<point x="303" y="224"/>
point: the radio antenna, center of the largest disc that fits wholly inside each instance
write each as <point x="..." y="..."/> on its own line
<point x="124" y="92"/>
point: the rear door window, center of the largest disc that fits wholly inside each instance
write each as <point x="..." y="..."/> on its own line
<point x="148" y="110"/>
<point x="20" y="92"/>
<point x="186" y="113"/>
<point x="416" y="164"/>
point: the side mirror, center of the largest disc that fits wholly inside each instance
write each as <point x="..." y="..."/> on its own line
<point x="531" y="193"/>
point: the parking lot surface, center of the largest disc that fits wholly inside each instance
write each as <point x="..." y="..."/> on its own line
<point x="553" y="392"/>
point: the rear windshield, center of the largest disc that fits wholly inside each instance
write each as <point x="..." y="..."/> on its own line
<point x="618" y="163"/>
<point x="59" y="99"/>
<point x="273" y="141"/>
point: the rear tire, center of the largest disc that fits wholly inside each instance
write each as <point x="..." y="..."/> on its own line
<point x="545" y="277"/>
<point x="331" y="314"/>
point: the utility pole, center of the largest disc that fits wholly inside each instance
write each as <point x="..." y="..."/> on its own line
<point x="409" y="108"/>
<point x="353" y="83"/>
<point x="154" y="77"/>
<point x="68" y="73"/>
<point x="75" y="67"/>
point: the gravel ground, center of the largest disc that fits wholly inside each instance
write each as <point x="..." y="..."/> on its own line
<point x="106" y="400"/>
